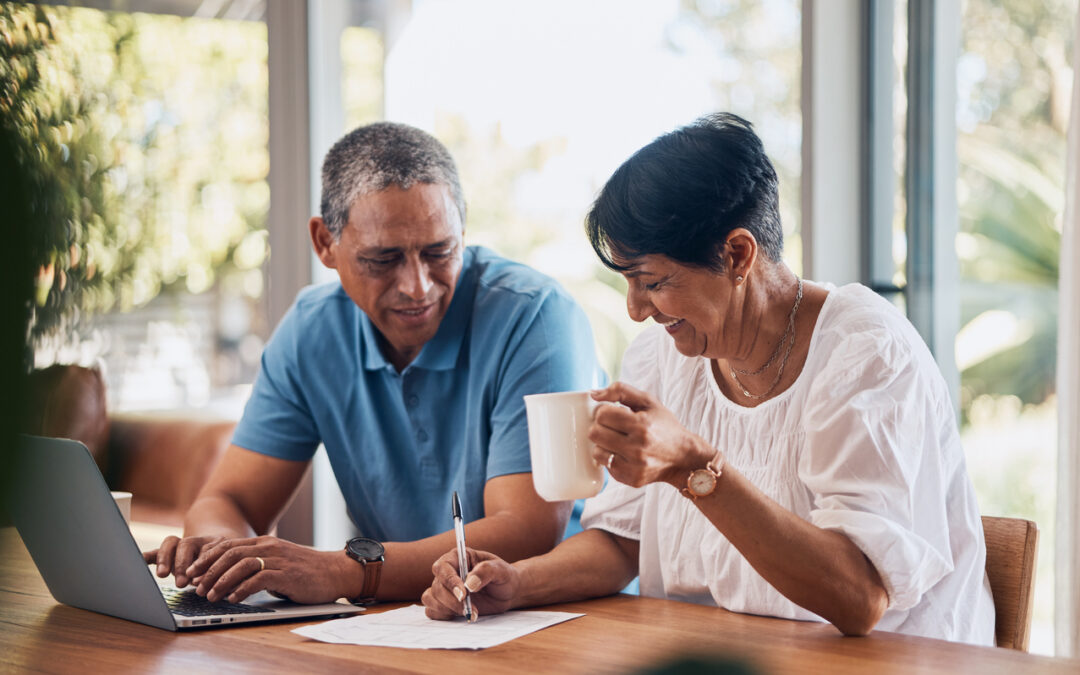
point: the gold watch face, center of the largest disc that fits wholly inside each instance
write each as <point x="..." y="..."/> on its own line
<point x="701" y="482"/>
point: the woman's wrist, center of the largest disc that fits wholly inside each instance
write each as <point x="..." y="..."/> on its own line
<point x="524" y="587"/>
<point x="697" y="455"/>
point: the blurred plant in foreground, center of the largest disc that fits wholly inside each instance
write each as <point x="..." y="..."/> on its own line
<point x="144" y="141"/>
<point x="50" y="106"/>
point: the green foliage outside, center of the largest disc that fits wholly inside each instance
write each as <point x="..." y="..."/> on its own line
<point x="1014" y="94"/>
<point x="1012" y="169"/>
<point x="145" y="142"/>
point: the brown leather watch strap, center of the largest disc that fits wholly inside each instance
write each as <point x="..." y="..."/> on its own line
<point x="372" y="572"/>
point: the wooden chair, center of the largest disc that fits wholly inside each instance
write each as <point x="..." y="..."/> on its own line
<point x="1011" y="545"/>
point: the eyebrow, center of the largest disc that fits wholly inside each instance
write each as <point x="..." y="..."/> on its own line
<point x="368" y="252"/>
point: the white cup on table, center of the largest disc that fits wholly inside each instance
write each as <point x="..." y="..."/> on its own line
<point x="123" y="502"/>
<point x="562" y="464"/>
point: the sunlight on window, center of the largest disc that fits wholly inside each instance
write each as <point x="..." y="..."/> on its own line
<point x="179" y="106"/>
<point x="539" y="102"/>
<point x="1012" y="116"/>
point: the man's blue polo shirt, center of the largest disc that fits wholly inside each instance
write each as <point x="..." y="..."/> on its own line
<point x="400" y="443"/>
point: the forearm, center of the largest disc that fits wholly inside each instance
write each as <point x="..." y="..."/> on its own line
<point x="819" y="570"/>
<point x="217" y="515"/>
<point x="590" y="564"/>
<point x="510" y="535"/>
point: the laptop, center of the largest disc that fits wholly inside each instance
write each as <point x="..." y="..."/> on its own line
<point x="84" y="550"/>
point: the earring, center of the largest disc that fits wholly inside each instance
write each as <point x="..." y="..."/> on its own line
<point x="738" y="279"/>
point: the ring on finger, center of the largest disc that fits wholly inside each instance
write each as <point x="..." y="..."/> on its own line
<point x="610" y="460"/>
<point x="262" y="563"/>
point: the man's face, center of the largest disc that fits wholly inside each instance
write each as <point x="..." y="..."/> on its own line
<point x="399" y="258"/>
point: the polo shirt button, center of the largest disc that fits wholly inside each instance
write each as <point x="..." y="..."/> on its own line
<point x="413" y="400"/>
<point x="421" y="435"/>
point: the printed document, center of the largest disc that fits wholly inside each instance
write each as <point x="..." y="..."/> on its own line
<point x="408" y="627"/>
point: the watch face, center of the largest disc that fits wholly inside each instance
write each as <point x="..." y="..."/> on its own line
<point x="362" y="548"/>
<point x="701" y="482"/>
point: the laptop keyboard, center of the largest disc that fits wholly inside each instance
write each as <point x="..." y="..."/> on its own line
<point x="188" y="603"/>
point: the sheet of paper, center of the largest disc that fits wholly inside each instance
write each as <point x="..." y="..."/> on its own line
<point x="408" y="627"/>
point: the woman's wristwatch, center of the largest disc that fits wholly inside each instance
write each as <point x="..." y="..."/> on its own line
<point x="702" y="482"/>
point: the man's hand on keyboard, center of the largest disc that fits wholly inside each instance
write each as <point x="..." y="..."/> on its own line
<point x="233" y="569"/>
<point x="175" y="555"/>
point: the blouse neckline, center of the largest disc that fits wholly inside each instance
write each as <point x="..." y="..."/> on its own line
<point x="705" y="365"/>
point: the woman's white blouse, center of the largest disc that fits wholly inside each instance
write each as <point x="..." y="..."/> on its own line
<point x="863" y="443"/>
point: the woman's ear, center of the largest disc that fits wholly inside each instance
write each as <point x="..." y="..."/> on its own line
<point x="322" y="240"/>
<point x="741" y="249"/>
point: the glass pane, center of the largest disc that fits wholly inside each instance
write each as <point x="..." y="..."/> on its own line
<point x="362" y="54"/>
<point x="1013" y="82"/>
<point x="540" y="101"/>
<point x="179" y="321"/>
<point x="899" y="148"/>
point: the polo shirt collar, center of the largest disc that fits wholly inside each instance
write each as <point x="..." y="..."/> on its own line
<point x="441" y="352"/>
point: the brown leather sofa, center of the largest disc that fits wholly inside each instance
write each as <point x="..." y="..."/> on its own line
<point x="162" y="459"/>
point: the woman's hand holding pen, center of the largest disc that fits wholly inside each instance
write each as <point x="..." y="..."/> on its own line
<point x="492" y="585"/>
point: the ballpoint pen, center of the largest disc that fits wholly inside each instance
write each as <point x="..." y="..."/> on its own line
<point x="462" y="557"/>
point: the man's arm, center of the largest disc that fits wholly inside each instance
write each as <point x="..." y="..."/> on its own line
<point x="244" y="496"/>
<point x="518" y="524"/>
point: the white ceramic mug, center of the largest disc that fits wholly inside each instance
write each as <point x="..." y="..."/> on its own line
<point x="562" y="463"/>
<point x="123" y="502"/>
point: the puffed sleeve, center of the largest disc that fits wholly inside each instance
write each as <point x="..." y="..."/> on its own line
<point x="876" y="421"/>
<point x="618" y="508"/>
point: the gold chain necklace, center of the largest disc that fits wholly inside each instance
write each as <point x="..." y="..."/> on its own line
<point x="788" y="336"/>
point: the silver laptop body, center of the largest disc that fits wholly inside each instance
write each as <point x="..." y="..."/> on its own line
<point x="84" y="550"/>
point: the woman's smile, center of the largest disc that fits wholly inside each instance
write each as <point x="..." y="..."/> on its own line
<point x="672" y="326"/>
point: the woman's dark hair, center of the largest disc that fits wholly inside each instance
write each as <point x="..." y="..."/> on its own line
<point x="682" y="194"/>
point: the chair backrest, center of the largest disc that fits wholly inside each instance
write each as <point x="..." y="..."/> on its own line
<point x="1011" y="544"/>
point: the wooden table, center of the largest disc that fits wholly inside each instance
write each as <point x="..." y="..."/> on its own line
<point x="617" y="634"/>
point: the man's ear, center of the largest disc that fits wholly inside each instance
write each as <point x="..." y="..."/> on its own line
<point x="741" y="251"/>
<point x="322" y="241"/>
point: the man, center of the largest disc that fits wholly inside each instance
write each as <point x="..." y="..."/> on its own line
<point x="411" y="373"/>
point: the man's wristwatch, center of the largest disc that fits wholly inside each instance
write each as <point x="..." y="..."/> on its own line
<point x="370" y="554"/>
<point x="702" y="482"/>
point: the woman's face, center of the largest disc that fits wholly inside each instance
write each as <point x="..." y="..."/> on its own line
<point x="693" y="304"/>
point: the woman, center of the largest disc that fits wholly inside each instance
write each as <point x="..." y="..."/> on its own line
<point x="782" y="447"/>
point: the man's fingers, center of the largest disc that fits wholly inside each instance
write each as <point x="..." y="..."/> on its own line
<point x="274" y="581"/>
<point x="241" y="556"/>
<point x="210" y="552"/>
<point x="239" y="581"/>
<point x="188" y="550"/>
<point x="165" y="556"/>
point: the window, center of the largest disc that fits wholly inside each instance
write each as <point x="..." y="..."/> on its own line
<point x="1013" y="85"/>
<point x="539" y="103"/>
<point x="180" y="323"/>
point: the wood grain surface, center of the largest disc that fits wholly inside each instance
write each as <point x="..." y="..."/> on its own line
<point x="618" y="634"/>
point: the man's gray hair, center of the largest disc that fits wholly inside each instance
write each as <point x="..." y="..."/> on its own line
<point x="374" y="157"/>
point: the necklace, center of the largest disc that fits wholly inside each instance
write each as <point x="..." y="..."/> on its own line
<point x="787" y="336"/>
